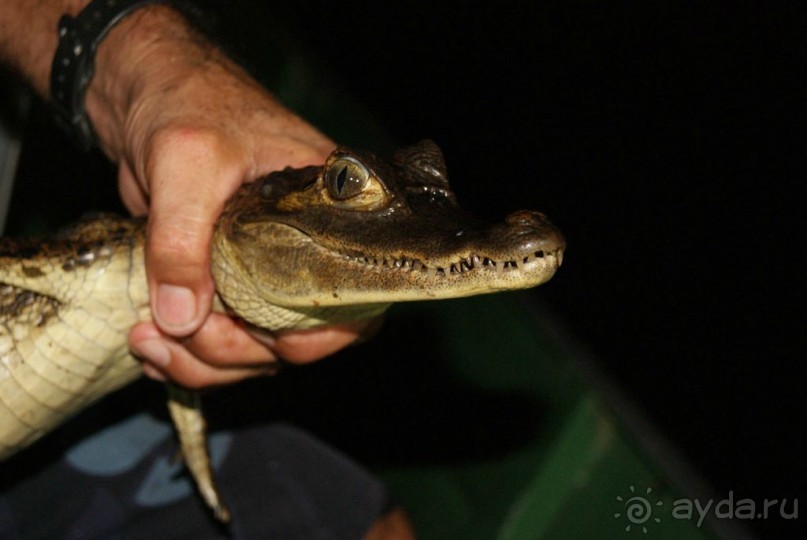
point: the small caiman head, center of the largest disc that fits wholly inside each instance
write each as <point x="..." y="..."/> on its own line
<point x="362" y="231"/>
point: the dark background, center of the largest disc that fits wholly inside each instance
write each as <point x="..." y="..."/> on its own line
<point x="661" y="138"/>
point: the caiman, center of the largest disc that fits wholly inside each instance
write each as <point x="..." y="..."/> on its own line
<point x="296" y="249"/>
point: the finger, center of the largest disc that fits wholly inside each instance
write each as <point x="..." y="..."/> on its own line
<point x="166" y="359"/>
<point x="223" y="342"/>
<point x="304" y="346"/>
<point x="131" y="192"/>
<point x="276" y="153"/>
<point x="190" y="177"/>
<point x="190" y="372"/>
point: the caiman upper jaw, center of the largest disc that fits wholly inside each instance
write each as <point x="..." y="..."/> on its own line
<point x="525" y="237"/>
<point x="462" y="265"/>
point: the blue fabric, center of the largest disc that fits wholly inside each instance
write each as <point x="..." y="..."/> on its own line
<point x="125" y="482"/>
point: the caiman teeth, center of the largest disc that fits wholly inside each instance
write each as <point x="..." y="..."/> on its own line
<point x="462" y="266"/>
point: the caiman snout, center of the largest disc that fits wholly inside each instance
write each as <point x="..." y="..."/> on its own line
<point x="528" y="223"/>
<point x="535" y="233"/>
<point x="527" y="218"/>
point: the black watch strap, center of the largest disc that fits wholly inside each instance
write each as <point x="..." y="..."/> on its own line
<point x="73" y="64"/>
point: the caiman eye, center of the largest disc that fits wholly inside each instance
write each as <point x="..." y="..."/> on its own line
<point x="346" y="178"/>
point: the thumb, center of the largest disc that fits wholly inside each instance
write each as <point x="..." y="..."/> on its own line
<point x="189" y="183"/>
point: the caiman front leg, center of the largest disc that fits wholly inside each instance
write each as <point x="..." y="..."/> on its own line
<point x="186" y="412"/>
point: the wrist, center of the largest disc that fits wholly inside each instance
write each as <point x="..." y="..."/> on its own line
<point x="138" y="53"/>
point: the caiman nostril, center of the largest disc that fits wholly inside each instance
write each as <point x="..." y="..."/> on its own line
<point x="526" y="218"/>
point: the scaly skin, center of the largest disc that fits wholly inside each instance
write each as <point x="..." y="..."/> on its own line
<point x="297" y="249"/>
<point x="66" y="309"/>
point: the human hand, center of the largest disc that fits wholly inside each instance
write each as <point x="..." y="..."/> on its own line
<point x="187" y="128"/>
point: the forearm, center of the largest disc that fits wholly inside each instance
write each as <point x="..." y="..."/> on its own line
<point x="28" y="36"/>
<point x="149" y="45"/>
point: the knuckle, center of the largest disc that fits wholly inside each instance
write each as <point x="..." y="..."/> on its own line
<point x="186" y="140"/>
<point x="175" y="150"/>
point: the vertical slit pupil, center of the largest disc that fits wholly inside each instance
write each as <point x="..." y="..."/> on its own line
<point x="341" y="179"/>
